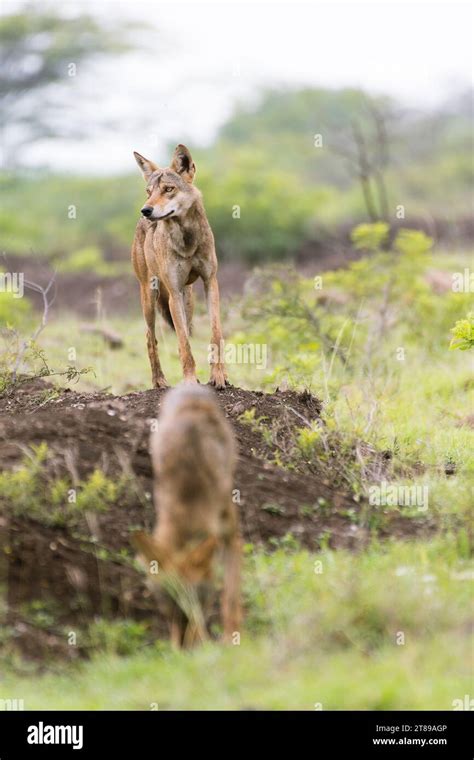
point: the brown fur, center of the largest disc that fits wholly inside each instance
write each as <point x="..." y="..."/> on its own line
<point x="193" y="455"/>
<point x="171" y="249"/>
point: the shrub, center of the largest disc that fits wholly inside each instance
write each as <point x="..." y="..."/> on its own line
<point x="463" y="333"/>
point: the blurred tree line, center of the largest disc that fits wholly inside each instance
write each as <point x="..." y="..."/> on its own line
<point x="289" y="168"/>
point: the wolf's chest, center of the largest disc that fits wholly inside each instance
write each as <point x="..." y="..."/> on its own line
<point x="177" y="240"/>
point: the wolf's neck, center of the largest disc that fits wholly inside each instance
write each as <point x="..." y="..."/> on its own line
<point x="185" y="232"/>
<point x="194" y="216"/>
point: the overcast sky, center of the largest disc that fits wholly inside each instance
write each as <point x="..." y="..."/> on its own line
<point x="196" y="59"/>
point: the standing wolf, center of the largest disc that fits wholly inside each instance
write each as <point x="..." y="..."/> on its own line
<point x="193" y="454"/>
<point x="173" y="246"/>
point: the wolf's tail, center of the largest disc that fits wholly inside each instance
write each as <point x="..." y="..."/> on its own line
<point x="162" y="301"/>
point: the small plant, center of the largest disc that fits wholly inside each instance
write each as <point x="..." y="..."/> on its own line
<point x="97" y="493"/>
<point x="28" y="491"/>
<point x="255" y="423"/>
<point x="35" y="358"/>
<point x="120" y="637"/>
<point x="463" y="333"/>
<point x="287" y="543"/>
<point x="273" y="509"/>
<point x="370" y="237"/>
<point x="413" y="242"/>
<point x="41" y="613"/>
<point x="306" y="440"/>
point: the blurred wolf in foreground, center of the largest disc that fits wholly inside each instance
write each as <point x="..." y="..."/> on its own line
<point x="193" y="455"/>
<point x="173" y="246"/>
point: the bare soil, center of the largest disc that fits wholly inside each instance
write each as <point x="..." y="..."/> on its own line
<point x="81" y="572"/>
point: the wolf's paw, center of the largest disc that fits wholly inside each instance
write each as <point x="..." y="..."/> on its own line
<point x="218" y="379"/>
<point x="160" y="382"/>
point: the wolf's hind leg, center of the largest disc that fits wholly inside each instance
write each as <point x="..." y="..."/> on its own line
<point x="218" y="373"/>
<point x="189" y="307"/>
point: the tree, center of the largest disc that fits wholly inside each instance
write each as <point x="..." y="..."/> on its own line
<point x="366" y="151"/>
<point x="38" y="52"/>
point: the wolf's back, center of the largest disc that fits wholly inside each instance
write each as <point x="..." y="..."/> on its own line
<point x="193" y="442"/>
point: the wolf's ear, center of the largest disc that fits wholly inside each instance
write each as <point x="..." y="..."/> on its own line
<point x="182" y="163"/>
<point x="148" y="548"/>
<point x="147" y="167"/>
<point x="201" y="555"/>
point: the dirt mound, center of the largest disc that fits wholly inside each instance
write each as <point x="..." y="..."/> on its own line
<point x="90" y="571"/>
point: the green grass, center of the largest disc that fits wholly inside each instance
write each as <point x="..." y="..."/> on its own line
<point x="333" y="638"/>
<point x="418" y="411"/>
<point x="311" y="638"/>
<point x="417" y="406"/>
<point x="127" y="369"/>
<point x="414" y="408"/>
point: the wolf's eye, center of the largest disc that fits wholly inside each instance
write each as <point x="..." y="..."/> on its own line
<point x="169" y="189"/>
<point x="148" y="191"/>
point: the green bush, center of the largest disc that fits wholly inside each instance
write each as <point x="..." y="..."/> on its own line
<point x="88" y="259"/>
<point x="14" y="312"/>
<point x="257" y="212"/>
<point x="463" y="333"/>
<point x="30" y="492"/>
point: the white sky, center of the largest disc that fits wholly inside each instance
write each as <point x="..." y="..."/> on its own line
<point x="196" y="59"/>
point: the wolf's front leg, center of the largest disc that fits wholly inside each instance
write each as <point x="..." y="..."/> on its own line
<point x="218" y="373"/>
<point x="178" y="314"/>
<point x="148" y="300"/>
